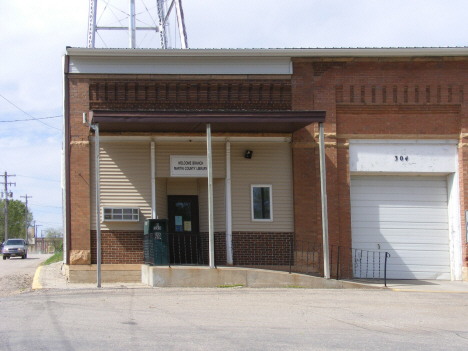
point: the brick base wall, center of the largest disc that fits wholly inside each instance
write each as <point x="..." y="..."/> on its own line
<point x="220" y="248"/>
<point x="249" y="248"/>
<point x="266" y="249"/>
<point x="118" y="247"/>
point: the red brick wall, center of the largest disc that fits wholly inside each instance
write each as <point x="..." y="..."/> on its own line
<point x="370" y="98"/>
<point x="145" y="92"/>
<point x="126" y="247"/>
<point x="364" y="98"/>
<point x="118" y="247"/>
<point x="261" y="248"/>
<point x="79" y="166"/>
<point x="228" y="93"/>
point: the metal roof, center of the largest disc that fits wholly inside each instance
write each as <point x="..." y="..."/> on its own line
<point x="278" y="52"/>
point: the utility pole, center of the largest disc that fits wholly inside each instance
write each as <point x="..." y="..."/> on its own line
<point x="36" y="229"/>
<point x="26" y="217"/>
<point x="6" y="193"/>
<point x="35" y="233"/>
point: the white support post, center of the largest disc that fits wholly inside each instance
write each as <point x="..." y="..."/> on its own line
<point x="131" y="25"/>
<point x="98" y="207"/>
<point x="323" y="192"/>
<point x="210" y="197"/>
<point x="229" y="259"/>
<point x="153" y="182"/>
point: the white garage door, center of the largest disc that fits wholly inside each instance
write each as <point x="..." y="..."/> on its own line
<point x="407" y="217"/>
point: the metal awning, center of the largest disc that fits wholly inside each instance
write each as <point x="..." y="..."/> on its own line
<point x="194" y="121"/>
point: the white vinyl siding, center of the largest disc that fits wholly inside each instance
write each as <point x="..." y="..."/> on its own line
<point x="182" y="186"/>
<point x="126" y="182"/>
<point x="406" y="216"/>
<point x="271" y="163"/>
<point x="163" y="152"/>
<point x="161" y="198"/>
<point x="125" y="179"/>
<point x="180" y="65"/>
<point x="219" y="209"/>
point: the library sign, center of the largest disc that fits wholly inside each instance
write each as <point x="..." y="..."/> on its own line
<point x="189" y="166"/>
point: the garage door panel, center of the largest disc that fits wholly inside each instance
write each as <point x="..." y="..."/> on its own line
<point x="400" y="190"/>
<point x="433" y="254"/>
<point x="398" y="225"/>
<point x="400" y="181"/>
<point x="397" y="212"/>
<point x="399" y="198"/>
<point x="417" y="261"/>
<point x="407" y="217"/>
<point x="415" y="233"/>
<point x="400" y="248"/>
<point x="397" y="203"/>
<point x="405" y="257"/>
<point x="400" y="238"/>
<point x="404" y="218"/>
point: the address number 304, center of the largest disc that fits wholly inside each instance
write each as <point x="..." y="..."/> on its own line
<point x="401" y="158"/>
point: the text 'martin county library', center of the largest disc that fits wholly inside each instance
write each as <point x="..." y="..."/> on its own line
<point x="395" y="126"/>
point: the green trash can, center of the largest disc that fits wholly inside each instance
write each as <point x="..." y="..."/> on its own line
<point x="157" y="245"/>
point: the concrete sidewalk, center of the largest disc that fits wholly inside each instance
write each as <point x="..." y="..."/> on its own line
<point x="50" y="277"/>
<point x="428" y="286"/>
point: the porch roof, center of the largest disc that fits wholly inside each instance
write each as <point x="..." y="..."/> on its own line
<point x="194" y="121"/>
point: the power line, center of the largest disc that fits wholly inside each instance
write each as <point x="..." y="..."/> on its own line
<point x="50" y="180"/>
<point x="36" y="204"/>
<point x="31" y="119"/>
<point x="50" y="212"/>
<point x="28" y="113"/>
<point x="49" y="222"/>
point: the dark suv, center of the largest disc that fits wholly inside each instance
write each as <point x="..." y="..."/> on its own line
<point x="15" y="247"/>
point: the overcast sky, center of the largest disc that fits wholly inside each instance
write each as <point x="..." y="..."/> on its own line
<point x="35" y="34"/>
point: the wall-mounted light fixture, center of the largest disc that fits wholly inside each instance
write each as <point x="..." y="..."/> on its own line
<point x="248" y="154"/>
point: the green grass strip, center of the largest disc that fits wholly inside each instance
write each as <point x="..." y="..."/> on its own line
<point x="56" y="257"/>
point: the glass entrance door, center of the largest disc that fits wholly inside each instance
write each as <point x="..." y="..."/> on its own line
<point x="184" y="239"/>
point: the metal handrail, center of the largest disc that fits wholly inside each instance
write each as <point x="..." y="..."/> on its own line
<point x="286" y="254"/>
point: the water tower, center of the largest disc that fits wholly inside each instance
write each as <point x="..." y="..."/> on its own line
<point x="113" y="22"/>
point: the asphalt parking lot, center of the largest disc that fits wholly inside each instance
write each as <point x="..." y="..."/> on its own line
<point x="59" y="315"/>
<point x="233" y="319"/>
<point x="16" y="274"/>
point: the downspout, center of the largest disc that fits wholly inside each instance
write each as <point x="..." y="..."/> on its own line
<point x="153" y="182"/>
<point x="98" y="219"/>
<point x="66" y="201"/>
<point x="323" y="193"/>
<point x="95" y="127"/>
<point x="210" y="197"/>
<point x="229" y="259"/>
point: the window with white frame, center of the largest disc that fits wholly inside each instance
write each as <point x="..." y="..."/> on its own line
<point x="121" y="214"/>
<point x="262" y="204"/>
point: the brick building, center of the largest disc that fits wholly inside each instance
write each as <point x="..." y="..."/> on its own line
<point x="395" y="128"/>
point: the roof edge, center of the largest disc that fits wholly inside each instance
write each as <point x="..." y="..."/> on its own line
<point x="299" y="52"/>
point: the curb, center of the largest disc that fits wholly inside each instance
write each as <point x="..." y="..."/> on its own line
<point x="430" y="291"/>
<point x="36" y="285"/>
